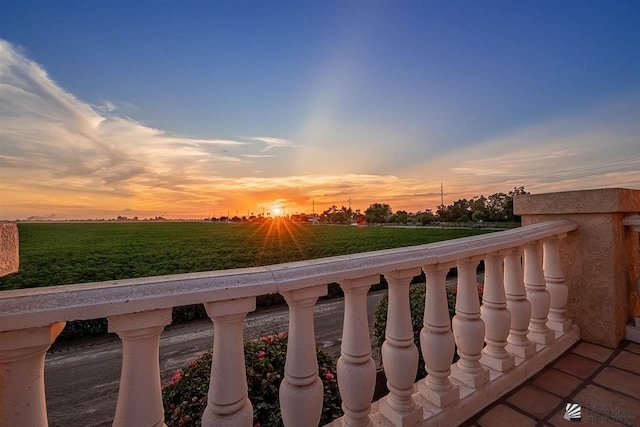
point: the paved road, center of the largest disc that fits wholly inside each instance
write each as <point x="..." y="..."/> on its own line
<point x="82" y="381"/>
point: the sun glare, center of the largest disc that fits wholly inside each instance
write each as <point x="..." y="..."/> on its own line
<point x="276" y="211"/>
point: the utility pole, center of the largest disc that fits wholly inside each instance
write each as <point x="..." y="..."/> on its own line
<point x="441" y="195"/>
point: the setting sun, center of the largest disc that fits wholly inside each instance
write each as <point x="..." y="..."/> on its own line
<point x="276" y="211"/>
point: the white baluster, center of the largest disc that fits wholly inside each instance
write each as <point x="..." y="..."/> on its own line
<point x="436" y="341"/>
<point x="468" y="328"/>
<point x="496" y="317"/>
<point x="140" y="394"/>
<point x="356" y="368"/>
<point x="556" y="286"/>
<point x="519" y="306"/>
<point x="22" y="354"/>
<point x="399" y="353"/>
<point x="537" y="295"/>
<point x="301" y="390"/>
<point x="228" y="402"/>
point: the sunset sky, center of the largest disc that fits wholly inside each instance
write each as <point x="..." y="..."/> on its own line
<point x="201" y="108"/>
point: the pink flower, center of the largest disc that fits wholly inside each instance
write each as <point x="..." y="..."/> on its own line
<point x="261" y="354"/>
<point x="329" y="376"/>
<point x="177" y="376"/>
<point x="182" y="421"/>
<point x="195" y="360"/>
<point x="268" y="339"/>
<point x="282" y="335"/>
<point x="257" y="425"/>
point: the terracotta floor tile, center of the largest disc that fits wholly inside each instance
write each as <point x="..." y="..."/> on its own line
<point x="633" y="347"/>
<point x="577" y="365"/>
<point x="616" y="379"/>
<point x="593" y="351"/>
<point x="534" y="401"/>
<point x="502" y="415"/>
<point x="612" y="405"/>
<point x="588" y="416"/>
<point x="557" y="382"/>
<point x="627" y="361"/>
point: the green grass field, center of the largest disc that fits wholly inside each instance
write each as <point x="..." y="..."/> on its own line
<point x="65" y="253"/>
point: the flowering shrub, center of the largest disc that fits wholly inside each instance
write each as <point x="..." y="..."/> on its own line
<point x="416" y="302"/>
<point x="185" y="396"/>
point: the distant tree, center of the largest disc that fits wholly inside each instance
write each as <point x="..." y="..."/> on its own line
<point x="378" y="213"/>
<point x="478" y="215"/>
<point x="517" y="191"/>
<point x="443" y="213"/>
<point x="461" y="210"/>
<point x="333" y="215"/>
<point x="400" y="217"/>
<point x="426" y="217"/>
<point x="497" y="207"/>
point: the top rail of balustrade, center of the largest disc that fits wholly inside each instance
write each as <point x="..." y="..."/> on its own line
<point x="26" y="308"/>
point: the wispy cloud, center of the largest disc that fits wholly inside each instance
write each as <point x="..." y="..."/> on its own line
<point x="593" y="148"/>
<point x="105" y="107"/>
<point x="259" y="156"/>
<point x="272" y="142"/>
<point x="50" y="136"/>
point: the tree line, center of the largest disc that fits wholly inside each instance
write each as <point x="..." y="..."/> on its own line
<point x="497" y="207"/>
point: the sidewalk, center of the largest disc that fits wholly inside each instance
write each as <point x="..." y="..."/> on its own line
<point x="604" y="382"/>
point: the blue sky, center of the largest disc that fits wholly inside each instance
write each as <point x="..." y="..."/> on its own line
<point x="203" y="107"/>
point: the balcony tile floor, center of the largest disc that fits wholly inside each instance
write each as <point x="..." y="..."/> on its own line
<point x="605" y="382"/>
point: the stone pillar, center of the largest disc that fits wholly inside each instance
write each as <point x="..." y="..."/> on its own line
<point x="437" y="342"/>
<point x="555" y="285"/>
<point x="399" y="353"/>
<point x="519" y="306"/>
<point x="537" y="294"/>
<point x="301" y="390"/>
<point x="600" y="259"/>
<point x="468" y="328"/>
<point x="496" y="316"/>
<point x="22" y="353"/>
<point x="140" y="394"/>
<point x="228" y="399"/>
<point x="356" y="368"/>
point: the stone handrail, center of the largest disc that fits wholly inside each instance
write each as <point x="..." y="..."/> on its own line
<point x="27" y="308"/>
<point x="522" y="321"/>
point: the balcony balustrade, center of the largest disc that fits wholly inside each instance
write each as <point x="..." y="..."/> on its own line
<point x="521" y="326"/>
